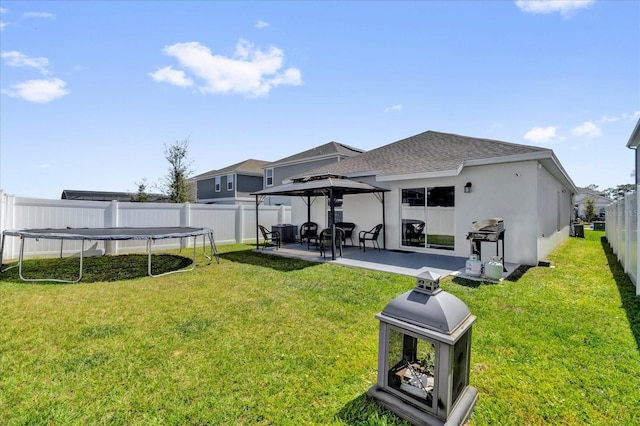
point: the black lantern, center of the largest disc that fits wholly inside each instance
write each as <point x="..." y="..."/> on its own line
<point x="424" y="356"/>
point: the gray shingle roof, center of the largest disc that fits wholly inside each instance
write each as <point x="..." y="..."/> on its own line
<point x="330" y="148"/>
<point x="428" y="152"/>
<point x="249" y="166"/>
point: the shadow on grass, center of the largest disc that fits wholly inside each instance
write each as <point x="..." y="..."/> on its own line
<point x="363" y="411"/>
<point x="630" y="301"/>
<point x="96" y="269"/>
<point x="513" y="277"/>
<point x="278" y="263"/>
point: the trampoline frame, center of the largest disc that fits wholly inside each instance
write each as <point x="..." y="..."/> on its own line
<point x="111" y="234"/>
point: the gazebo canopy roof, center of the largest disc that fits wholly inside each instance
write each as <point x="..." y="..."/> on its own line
<point x="320" y="185"/>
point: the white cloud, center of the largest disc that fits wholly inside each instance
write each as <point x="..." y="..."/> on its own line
<point x="171" y="76"/>
<point x="251" y="71"/>
<point x="393" y="108"/>
<point x="45" y="15"/>
<point x="541" y="134"/>
<point x="39" y="91"/>
<point x="565" y="7"/>
<point x="19" y="59"/>
<point x="605" y="119"/>
<point x="2" y="23"/>
<point x="632" y="117"/>
<point x="261" y="24"/>
<point x="588" y="129"/>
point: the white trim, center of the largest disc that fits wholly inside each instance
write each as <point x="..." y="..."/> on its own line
<point x="230" y="182"/>
<point x="217" y="185"/>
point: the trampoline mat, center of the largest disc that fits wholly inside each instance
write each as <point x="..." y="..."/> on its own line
<point x="118" y="233"/>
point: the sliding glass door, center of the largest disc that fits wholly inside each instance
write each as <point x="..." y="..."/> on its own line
<point x="428" y="217"/>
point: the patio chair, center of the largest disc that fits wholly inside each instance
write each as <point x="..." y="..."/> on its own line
<point x="414" y="233"/>
<point x="269" y="238"/>
<point x="364" y="236"/>
<point x="348" y="228"/>
<point x="308" y="232"/>
<point x="325" y="240"/>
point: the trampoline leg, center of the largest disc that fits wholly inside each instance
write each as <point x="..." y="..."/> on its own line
<point x="21" y="258"/>
<point x="1" y="256"/>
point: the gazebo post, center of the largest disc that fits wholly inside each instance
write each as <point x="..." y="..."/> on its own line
<point x="257" y="223"/>
<point x="384" y="226"/>
<point x="333" y="224"/>
<point x="308" y="208"/>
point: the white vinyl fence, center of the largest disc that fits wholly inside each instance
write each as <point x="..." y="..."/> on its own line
<point x="622" y="233"/>
<point x="230" y="223"/>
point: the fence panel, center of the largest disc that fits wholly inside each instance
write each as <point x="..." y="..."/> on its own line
<point x="622" y="233"/>
<point x="632" y="236"/>
<point x="230" y="223"/>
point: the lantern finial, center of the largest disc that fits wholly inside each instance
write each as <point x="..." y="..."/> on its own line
<point x="428" y="282"/>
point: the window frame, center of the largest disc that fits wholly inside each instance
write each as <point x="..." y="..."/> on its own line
<point x="268" y="180"/>
<point x="230" y="182"/>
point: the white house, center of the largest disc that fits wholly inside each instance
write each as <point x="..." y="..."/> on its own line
<point x="426" y="176"/>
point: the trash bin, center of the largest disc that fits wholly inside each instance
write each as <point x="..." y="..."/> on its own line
<point x="578" y="230"/>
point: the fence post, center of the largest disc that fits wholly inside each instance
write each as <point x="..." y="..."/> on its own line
<point x="7" y="221"/>
<point x="111" y="221"/>
<point x="239" y="223"/>
<point x="627" y="232"/>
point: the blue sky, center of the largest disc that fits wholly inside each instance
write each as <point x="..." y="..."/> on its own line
<point x="92" y="92"/>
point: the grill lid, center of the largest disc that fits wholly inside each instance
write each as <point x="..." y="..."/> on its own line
<point x="492" y="224"/>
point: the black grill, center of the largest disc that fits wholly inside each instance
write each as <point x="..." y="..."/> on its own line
<point x="489" y="230"/>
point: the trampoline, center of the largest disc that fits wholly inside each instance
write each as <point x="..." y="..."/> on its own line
<point x="111" y="234"/>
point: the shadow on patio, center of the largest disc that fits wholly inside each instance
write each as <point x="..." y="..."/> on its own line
<point x="392" y="261"/>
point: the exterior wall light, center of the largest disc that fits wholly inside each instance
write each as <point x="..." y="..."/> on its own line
<point x="467" y="188"/>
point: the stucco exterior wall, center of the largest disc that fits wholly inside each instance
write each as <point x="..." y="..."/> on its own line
<point x="512" y="191"/>
<point x="555" y="209"/>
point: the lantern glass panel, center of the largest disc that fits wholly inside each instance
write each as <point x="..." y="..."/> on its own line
<point x="412" y="365"/>
<point x="461" y="365"/>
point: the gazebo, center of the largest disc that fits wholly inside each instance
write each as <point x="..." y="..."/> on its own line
<point x="331" y="186"/>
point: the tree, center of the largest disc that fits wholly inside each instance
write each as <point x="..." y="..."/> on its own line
<point x="176" y="184"/>
<point x="592" y="187"/>
<point x="142" y="196"/>
<point x="619" y="191"/>
<point x="589" y="208"/>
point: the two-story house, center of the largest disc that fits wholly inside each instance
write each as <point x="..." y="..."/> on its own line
<point x="230" y="185"/>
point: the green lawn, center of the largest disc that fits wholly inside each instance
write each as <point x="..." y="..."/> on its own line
<point x="260" y="339"/>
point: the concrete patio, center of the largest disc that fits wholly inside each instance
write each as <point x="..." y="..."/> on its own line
<point x="396" y="262"/>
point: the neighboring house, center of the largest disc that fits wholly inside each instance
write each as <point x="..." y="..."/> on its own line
<point x="634" y="142"/>
<point x="279" y="172"/>
<point x="600" y="202"/>
<point x="444" y="182"/>
<point x="72" y="194"/>
<point x="230" y="185"/>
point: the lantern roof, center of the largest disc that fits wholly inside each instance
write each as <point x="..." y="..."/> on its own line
<point x="438" y="310"/>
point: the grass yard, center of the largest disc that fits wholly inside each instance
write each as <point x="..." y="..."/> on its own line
<point x="260" y="339"/>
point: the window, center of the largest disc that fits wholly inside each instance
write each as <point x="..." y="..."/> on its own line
<point x="269" y="177"/>
<point x="217" y="184"/>
<point x="229" y="182"/>
<point x="428" y="217"/>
